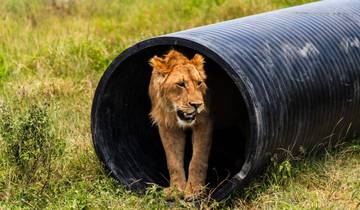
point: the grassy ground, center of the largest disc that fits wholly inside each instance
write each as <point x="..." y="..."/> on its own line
<point x="52" y="54"/>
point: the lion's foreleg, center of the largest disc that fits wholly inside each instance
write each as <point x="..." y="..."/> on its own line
<point x="173" y="140"/>
<point x="201" y="143"/>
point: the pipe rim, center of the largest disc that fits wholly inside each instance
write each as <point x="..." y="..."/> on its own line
<point x="251" y="148"/>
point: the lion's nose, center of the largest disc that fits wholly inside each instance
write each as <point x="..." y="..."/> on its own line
<point x="195" y="104"/>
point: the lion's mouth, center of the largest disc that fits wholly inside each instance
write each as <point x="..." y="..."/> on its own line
<point x="188" y="117"/>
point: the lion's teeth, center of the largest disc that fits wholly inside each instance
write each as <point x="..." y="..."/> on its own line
<point x="188" y="115"/>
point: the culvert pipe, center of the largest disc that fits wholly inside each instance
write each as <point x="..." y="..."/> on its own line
<point x="284" y="80"/>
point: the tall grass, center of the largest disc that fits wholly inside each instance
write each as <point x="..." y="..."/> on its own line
<point x="52" y="54"/>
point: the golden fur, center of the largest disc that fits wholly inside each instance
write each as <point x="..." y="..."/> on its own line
<point x="178" y="95"/>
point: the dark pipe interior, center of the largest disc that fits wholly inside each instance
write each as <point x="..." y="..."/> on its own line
<point x="130" y="144"/>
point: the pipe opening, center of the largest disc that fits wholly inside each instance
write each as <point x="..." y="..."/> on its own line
<point x="129" y="145"/>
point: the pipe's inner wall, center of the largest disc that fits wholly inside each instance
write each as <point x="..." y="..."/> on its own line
<point x="131" y="146"/>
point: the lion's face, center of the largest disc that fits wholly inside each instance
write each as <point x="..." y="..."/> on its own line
<point x="184" y="89"/>
<point x="180" y="85"/>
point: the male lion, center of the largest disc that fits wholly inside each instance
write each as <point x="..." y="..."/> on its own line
<point x="177" y="91"/>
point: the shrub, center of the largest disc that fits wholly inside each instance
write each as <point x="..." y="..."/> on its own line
<point x="30" y="143"/>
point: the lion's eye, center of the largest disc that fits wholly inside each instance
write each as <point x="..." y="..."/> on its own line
<point x="199" y="83"/>
<point x="181" y="84"/>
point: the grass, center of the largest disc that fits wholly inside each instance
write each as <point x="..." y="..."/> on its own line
<point x="53" y="53"/>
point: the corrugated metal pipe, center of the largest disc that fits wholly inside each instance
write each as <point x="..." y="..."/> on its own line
<point x="288" y="79"/>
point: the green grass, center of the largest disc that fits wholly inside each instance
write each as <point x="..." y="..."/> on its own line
<point x="53" y="53"/>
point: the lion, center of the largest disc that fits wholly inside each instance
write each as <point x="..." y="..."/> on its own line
<point x="179" y="100"/>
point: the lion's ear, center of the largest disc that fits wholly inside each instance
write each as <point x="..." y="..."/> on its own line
<point x="158" y="64"/>
<point x="198" y="61"/>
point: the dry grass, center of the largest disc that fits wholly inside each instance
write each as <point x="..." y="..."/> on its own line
<point x="54" y="51"/>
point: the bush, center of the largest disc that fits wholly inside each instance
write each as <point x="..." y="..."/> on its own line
<point x="30" y="143"/>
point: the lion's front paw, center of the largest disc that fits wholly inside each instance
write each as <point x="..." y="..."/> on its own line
<point x="194" y="192"/>
<point x="173" y="192"/>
